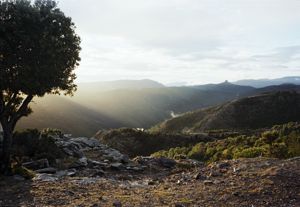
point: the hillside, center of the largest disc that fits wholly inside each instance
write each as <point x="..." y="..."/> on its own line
<point x="252" y="112"/>
<point x="61" y="113"/>
<point x="128" y="103"/>
<point x="226" y="87"/>
<point x="90" y="110"/>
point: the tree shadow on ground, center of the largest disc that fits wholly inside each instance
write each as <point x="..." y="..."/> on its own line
<point x="14" y="193"/>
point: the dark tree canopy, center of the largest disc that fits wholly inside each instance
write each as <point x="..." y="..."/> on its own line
<point x="39" y="51"/>
<point x="38" y="48"/>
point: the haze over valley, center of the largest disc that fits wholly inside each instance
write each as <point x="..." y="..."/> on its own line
<point x="136" y="103"/>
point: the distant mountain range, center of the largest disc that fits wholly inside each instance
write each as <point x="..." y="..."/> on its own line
<point x="130" y="103"/>
<point x="268" y="82"/>
<point x="252" y="112"/>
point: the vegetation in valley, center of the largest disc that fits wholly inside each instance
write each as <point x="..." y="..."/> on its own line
<point x="280" y="141"/>
<point x="134" y="142"/>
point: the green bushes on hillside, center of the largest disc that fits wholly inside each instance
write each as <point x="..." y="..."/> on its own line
<point x="281" y="141"/>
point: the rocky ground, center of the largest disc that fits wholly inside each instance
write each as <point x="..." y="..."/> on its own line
<point x="101" y="176"/>
<point x="248" y="182"/>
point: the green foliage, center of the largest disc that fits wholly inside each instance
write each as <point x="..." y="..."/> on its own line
<point x="270" y="136"/>
<point x="39" y="51"/>
<point x="197" y="152"/>
<point x="35" y="145"/>
<point x="281" y="141"/>
<point x="250" y="152"/>
<point x="38" y="48"/>
<point x="293" y="143"/>
<point x="280" y="150"/>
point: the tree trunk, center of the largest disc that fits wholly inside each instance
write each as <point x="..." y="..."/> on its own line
<point x="5" y="167"/>
<point x="8" y="119"/>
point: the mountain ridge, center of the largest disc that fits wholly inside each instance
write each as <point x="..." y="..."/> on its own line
<point x="131" y="107"/>
<point x="252" y="112"/>
<point x="259" y="83"/>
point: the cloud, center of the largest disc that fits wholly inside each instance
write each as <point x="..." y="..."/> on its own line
<point x="186" y="40"/>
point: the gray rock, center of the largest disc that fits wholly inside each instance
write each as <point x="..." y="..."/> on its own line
<point x="71" y="172"/>
<point x="179" y="205"/>
<point x="48" y="170"/>
<point x="162" y="161"/>
<point x="83" y="161"/>
<point x="208" y="182"/>
<point x="19" y="177"/>
<point x="86" y="142"/>
<point x="70" y="148"/>
<point x="115" y="156"/>
<point x="199" y="176"/>
<point x="63" y="173"/>
<point x="35" y="165"/>
<point x="166" y="162"/>
<point x="214" y="173"/>
<point x="136" y="168"/>
<point x="117" y="204"/>
<point x="98" y="173"/>
<point x="87" y="181"/>
<point x="93" y="163"/>
<point x="223" y="165"/>
<point x="45" y="178"/>
<point x="117" y="166"/>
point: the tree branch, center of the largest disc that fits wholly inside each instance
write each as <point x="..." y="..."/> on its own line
<point x="1" y="103"/>
<point x="24" y="104"/>
<point x="11" y="100"/>
<point x="22" y="111"/>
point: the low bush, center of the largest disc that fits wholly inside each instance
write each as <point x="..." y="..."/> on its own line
<point x="34" y="144"/>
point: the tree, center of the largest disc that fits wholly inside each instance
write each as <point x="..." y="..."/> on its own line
<point x="39" y="51"/>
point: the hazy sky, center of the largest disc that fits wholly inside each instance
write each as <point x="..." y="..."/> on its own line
<point x="193" y="41"/>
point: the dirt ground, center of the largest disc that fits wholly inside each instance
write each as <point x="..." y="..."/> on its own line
<point x="241" y="183"/>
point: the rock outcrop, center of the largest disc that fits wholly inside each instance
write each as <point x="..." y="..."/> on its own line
<point x="91" y="158"/>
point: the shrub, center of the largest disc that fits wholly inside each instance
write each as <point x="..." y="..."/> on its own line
<point x="293" y="144"/>
<point x="197" y="152"/>
<point x="250" y="152"/>
<point x="270" y="136"/>
<point x="282" y="141"/>
<point x="279" y="150"/>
